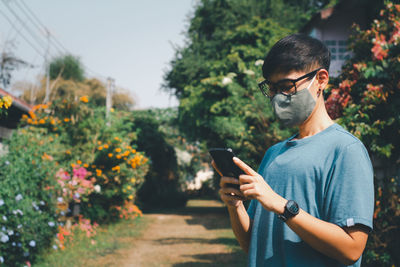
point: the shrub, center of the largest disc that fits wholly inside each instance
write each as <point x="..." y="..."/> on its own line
<point x="106" y="150"/>
<point x="28" y="220"/>
<point x="367" y="103"/>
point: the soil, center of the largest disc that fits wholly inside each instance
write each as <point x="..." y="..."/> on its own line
<point x="197" y="235"/>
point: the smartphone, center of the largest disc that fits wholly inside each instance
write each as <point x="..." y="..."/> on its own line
<point x="223" y="158"/>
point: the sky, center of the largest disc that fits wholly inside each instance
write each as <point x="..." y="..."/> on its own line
<point x="131" y="41"/>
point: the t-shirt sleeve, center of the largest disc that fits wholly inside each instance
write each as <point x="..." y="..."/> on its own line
<point x="349" y="197"/>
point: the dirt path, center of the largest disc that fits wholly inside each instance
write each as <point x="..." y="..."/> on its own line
<point x="198" y="235"/>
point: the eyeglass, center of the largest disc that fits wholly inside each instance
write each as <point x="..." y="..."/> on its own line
<point x="284" y="86"/>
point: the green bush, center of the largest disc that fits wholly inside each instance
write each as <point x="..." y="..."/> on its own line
<point x="28" y="221"/>
<point x="106" y="149"/>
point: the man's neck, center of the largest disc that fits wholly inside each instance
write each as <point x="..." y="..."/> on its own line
<point x="318" y="121"/>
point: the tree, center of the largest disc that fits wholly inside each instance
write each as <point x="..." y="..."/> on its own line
<point x="215" y="75"/>
<point x="68" y="67"/>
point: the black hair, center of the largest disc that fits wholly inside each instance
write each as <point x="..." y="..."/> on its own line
<point x="296" y="52"/>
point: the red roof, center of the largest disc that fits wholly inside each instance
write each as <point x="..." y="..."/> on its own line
<point x="19" y="103"/>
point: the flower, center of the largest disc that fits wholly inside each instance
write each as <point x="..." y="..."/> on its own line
<point x="84" y="99"/>
<point x="259" y="62"/>
<point x="1" y="259"/>
<point x="1" y="202"/>
<point x="32" y="243"/>
<point x="97" y="188"/>
<point x="51" y="224"/>
<point x="18" y="197"/>
<point x="110" y="155"/>
<point x="4" y="218"/>
<point x="4" y="238"/>
<point x="226" y="81"/>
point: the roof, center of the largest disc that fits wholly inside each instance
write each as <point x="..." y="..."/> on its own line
<point x="17" y="102"/>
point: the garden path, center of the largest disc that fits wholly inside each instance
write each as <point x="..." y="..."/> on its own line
<point x="197" y="235"/>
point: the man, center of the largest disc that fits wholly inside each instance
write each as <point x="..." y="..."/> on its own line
<point x="312" y="199"/>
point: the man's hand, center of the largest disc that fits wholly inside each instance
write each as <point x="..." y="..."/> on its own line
<point x="253" y="186"/>
<point x="230" y="196"/>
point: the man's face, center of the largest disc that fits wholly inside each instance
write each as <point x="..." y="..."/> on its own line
<point x="292" y="82"/>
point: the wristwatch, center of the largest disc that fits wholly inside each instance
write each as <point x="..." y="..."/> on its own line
<point x="291" y="210"/>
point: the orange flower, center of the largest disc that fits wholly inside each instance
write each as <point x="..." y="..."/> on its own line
<point x="41" y="121"/>
<point x="86" y="165"/>
<point x="66" y="119"/>
<point x="118" y="149"/>
<point x="110" y="155"/>
<point x="98" y="172"/>
<point x="84" y="99"/>
<point x="79" y="162"/>
<point x="105" y="146"/>
<point x="100" y="148"/>
<point x="68" y="152"/>
<point x="118" y="156"/>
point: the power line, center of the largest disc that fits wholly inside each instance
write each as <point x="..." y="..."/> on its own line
<point x="23" y="36"/>
<point x="27" y="28"/>
<point x="53" y="39"/>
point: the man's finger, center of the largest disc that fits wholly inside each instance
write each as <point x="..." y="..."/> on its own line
<point x="245" y="179"/>
<point x="244" y="166"/>
<point x="228" y="180"/>
<point x="231" y="191"/>
<point x="215" y="167"/>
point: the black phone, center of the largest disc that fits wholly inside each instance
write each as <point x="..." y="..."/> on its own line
<point x="223" y="159"/>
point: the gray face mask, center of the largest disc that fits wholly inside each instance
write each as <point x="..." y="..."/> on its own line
<point x="295" y="109"/>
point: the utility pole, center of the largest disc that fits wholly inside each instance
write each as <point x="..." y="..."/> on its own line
<point x="47" y="65"/>
<point x="110" y="87"/>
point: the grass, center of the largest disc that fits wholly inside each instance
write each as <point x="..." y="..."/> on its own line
<point x="81" y="251"/>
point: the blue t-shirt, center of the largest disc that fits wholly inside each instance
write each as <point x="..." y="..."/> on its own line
<point x="330" y="176"/>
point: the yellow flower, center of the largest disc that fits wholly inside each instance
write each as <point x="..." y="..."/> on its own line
<point x="68" y="152"/>
<point x="7" y="101"/>
<point x="84" y="99"/>
<point x="133" y="180"/>
<point x="116" y="168"/>
<point x="130" y="197"/>
<point x="99" y="142"/>
<point x="129" y="187"/>
<point x="111" y="109"/>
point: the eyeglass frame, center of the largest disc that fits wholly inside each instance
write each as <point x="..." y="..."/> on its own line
<point x="294" y="81"/>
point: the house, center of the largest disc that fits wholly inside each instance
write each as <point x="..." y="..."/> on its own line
<point x="333" y="26"/>
<point x="15" y="112"/>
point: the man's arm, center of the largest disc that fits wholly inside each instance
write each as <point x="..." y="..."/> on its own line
<point x="240" y="220"/>
<point x="343" y="244"/>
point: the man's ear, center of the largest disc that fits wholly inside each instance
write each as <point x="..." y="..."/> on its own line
<point x="322" y="79"/>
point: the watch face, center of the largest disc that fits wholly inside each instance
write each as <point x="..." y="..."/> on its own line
<point x="293" y="207"/>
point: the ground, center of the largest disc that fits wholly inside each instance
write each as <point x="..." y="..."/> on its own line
<point x="197" y="235"/>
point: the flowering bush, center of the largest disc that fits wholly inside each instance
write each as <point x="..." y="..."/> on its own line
<point x="76" y="186"/>
<point x="5" y="103"/>
<point x="90" y="146"/>
<point x="367" y="103"/>
<point x="28" y="218"/>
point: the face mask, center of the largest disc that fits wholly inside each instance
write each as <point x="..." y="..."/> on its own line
<point x="295" y="109"/>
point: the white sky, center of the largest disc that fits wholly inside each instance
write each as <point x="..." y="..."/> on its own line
<point x="129" y="40"/>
